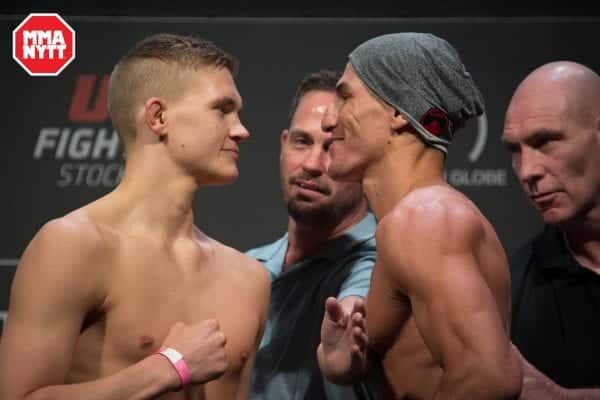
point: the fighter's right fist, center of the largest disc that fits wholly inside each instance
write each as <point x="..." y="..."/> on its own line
<point x="203" y="348"/>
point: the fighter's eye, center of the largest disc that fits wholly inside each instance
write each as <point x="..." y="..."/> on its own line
<point x="544" y="138"/>
<point x="301" y="140"/>
<point x="540" y="142"/>
<point x="298" y="139"/>
<point x="223" y="109"/>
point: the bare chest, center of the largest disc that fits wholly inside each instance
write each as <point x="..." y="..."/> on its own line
<point x="148" y="293"/>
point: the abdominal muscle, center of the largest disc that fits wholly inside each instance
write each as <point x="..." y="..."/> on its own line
<point x="409" y="369"/>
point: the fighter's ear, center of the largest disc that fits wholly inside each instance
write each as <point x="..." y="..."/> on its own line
<point x="282" y="138"/>
<point x="284" y="135"/>
<point x="155" y="117"/>
<point x="399" y="122"/>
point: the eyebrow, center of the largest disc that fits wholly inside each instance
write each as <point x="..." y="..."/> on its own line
<point x="535" y="136"/>
<point x="228" y="102"/>
<point x="297" y="131"/>
<point x="543" y="134"/>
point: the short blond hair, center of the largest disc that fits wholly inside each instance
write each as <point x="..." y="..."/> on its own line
<point x="153" y="67"/>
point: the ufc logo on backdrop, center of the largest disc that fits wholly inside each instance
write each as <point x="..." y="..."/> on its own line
<point x="89" y="101"/>
<point x="83" y="143"/>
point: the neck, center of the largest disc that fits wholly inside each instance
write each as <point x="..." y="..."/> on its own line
<point x="154" y="196"/>
<point x="306" y="239"/>
<point x="398" y="172"/>
<point x="583" y="240"/>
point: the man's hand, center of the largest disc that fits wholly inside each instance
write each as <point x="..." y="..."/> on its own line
<point x="536" y="385"/>
<point x="203" y="348"/>
<point x="342" y="353"/>
<point x="533" y="380"/>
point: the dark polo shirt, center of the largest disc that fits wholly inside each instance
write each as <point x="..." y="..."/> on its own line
<point x="556" y="311"/>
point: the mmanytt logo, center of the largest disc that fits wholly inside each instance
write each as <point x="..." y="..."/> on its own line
<point x="43" y="44"/>
<point x="88" y="147"/>
<point x="477" y="177"/>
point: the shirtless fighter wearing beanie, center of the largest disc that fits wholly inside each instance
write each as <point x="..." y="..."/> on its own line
<point x="437" y="314"/>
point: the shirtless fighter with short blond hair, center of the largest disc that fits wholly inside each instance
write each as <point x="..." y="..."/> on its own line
<point x="125" y="298"/>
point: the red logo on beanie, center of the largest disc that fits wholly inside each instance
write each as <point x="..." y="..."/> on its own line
<point x="435" y="121"/>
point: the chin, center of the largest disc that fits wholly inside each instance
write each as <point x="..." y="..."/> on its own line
<point x="309" y="214"/>
<point x="218" y="179"/>
<point x="226" y="180"/>
<point x="555" y="216"/>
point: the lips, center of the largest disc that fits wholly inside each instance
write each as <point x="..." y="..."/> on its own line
<point x="307" y="184"/>
<point x="541" y="197"/>
<point x="235" y="152"/>
<point x="544" y="201"/>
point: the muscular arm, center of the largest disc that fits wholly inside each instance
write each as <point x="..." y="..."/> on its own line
<point x="57" y="283"/>
<point x="429" y="252"/>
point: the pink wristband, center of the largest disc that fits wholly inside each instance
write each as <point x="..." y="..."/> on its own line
<point x="176" y="359"/>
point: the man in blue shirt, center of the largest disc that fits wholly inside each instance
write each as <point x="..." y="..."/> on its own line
<point x="328" y="250"/>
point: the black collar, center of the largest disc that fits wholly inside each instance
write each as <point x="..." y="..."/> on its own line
<point x="553" y="256"/>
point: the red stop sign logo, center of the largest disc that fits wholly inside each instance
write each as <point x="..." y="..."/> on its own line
<point x="43" y="44"/>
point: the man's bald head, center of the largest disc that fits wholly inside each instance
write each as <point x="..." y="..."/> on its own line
<point x="572" y="87"/>
<point x="552" y="130"/>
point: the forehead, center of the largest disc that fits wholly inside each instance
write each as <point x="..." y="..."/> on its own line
<point x="211" y="83"/>
<point x="350" y="80"/>
<point x="535" y="109"/>
<point x="351" y="84"/>
<point x="313" y="104"/>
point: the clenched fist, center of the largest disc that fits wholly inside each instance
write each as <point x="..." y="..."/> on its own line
<point x="202" y="346"/>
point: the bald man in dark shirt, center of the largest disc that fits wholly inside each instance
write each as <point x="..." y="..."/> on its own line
<point x="552" y="130"/>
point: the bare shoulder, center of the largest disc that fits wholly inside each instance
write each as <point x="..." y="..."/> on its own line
<point x="249" y="279"/>
<point x="424" y="230"/>
<point x="64" y="255"/>
<point x="436" y="214"/>
<point x="70" y="242"/>
<point x="243" y="269"/>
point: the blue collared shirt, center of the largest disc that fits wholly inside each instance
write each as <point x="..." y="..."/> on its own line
<point x="286" y="366"/>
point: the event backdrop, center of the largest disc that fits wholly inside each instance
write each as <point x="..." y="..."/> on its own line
<point x="59" y="150"/>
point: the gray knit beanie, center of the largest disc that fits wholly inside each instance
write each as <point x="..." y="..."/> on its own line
<point x="423" y="78"/>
